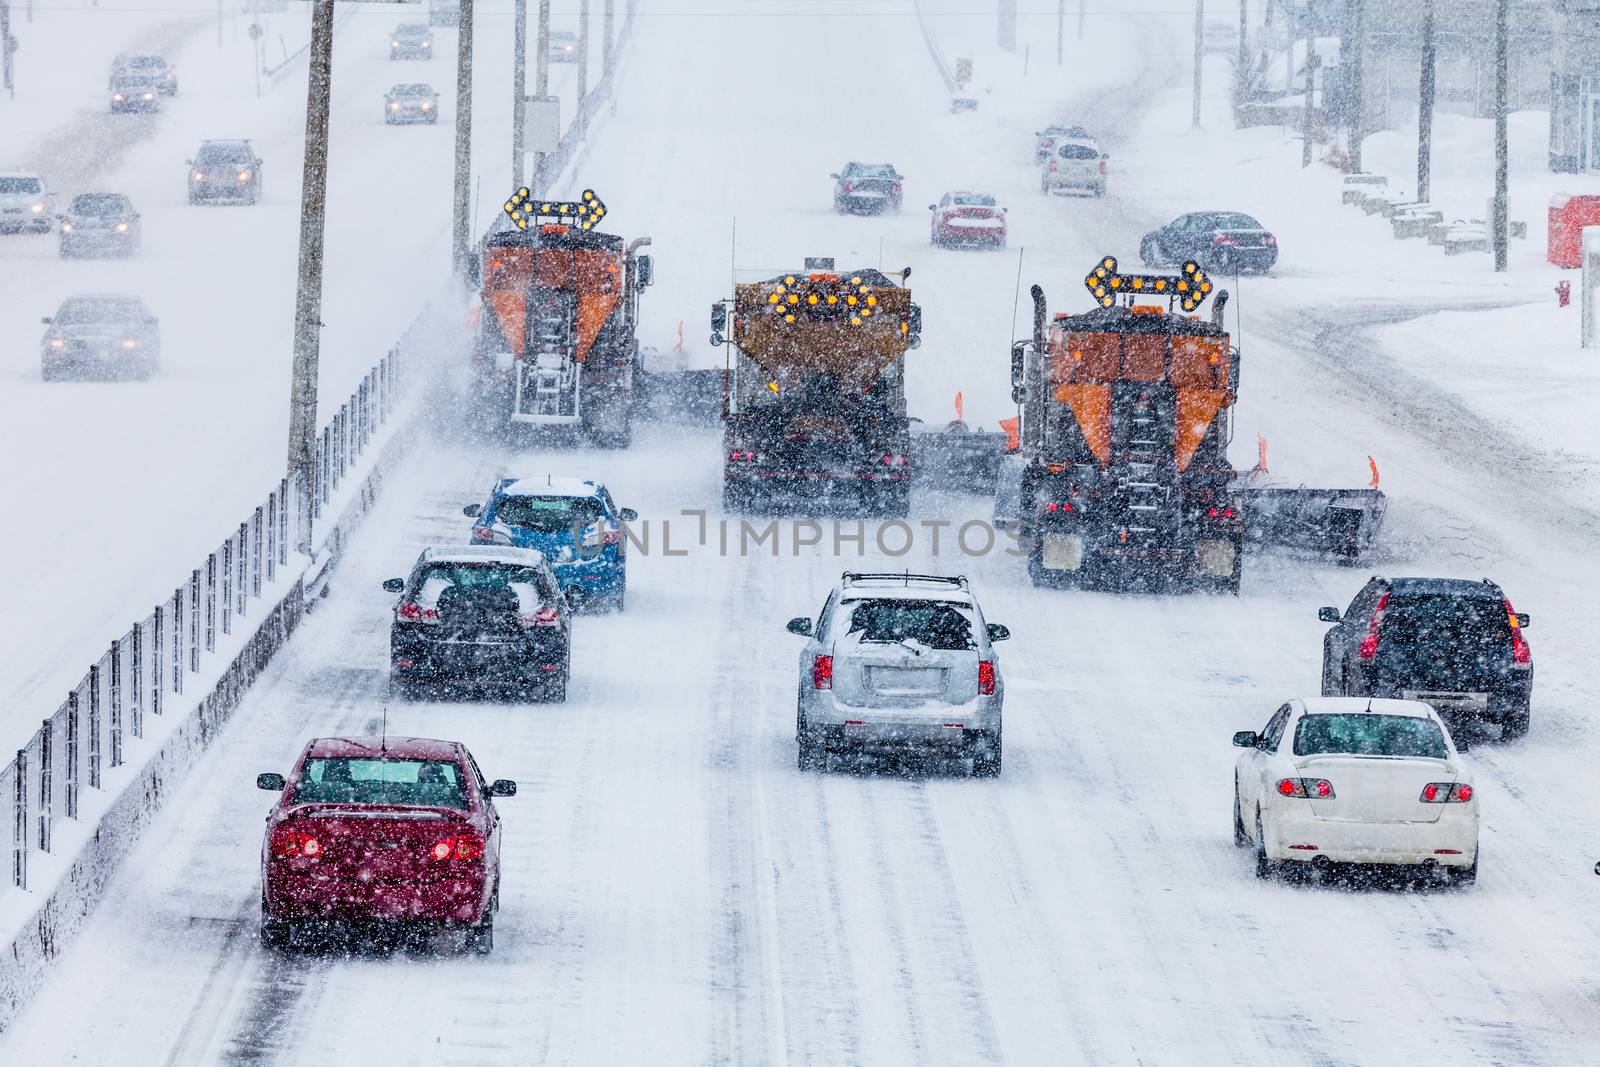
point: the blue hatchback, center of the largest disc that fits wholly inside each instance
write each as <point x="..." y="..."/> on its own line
<point x="575" y="523"/>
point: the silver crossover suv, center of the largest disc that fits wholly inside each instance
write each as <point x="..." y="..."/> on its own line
<point x="898" y="662"/>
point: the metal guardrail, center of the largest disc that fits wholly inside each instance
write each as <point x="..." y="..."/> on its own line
<point x="933" y="50"/>
<point x="101" y="724"/>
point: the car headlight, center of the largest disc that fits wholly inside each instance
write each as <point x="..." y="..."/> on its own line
<point x="37" y="208"/>
<point x="149" y="96"/>
<point x="394" y="44"/>
<point x="56" y="342"/>
<point x="167" y="75"/>
<point x="66" y="227"/>
<point x="199" y="175"/>
<point x="116" y="97"/>
<point x="122" y="227"/>
<point x="130" y="343"/>
<point x="244" y="175"/>
<point x="426" y="105"/>
<point x="427" y="44"/>
<point x="394" y="106"/>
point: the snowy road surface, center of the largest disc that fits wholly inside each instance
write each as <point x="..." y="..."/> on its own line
<point x="675" y="891"/>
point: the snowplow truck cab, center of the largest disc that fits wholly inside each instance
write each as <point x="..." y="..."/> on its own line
<point x="557" y="341"/>
<point x="1124" y="475"/>
<point x="814" y="391"/>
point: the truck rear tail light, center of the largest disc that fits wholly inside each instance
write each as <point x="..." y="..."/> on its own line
<point x="986" y="678"/>
<point x="822" y="672"/>
<point x="544" y="617"/>
<point x="1269" y="240"/>
<point x="896" y="461"/>
<point x="286" y="841"/>
<point x="467" y="846"/>
<point x="411" y="611"/>
<point x="1306" y="788"/>
<point x="1369" y="643"/>
<point x="1058" y="505"/>
<point x="737" y="456"/>
<point x="1446" y="793"/>
<point x="1219" y="513"/>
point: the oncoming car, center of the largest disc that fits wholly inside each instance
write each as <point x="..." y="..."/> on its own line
<point x="131" y="92"/>
<point x="101" y="336"/>
<point x="151" y="68"/>
<point x="563" y="46"/>
<point x="490" y="618"/>
<point x="411" y="40"/>
<point x="411" y="102"/>
<point x="392" y="830"/>
<point x="1341" y="780"/>
<point x="896" y="663"/>
<point x="25" y="203"/>
<point x="967" y="219"/>
<point x="573" y="522"/>
<point x="225" y="172"/>
<point x="99" y="224"/>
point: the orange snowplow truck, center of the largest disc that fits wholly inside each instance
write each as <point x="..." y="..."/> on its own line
<point x="1122" y="474"/>
<point x="557" y="342"/>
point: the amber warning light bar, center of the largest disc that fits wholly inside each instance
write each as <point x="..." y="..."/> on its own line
<point x="584" y="212"/>
<point x="1189" y="287"/>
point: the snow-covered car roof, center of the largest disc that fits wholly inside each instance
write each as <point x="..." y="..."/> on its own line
<point x="19" y="174"/>
<point x="379" y="747"/>
<point x="549" y="485"/>
<point x="905" y="587"/>
<point x="518" y="557"/>
<point x="1414" y="709"/>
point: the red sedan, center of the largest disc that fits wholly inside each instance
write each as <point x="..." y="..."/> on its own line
<point x="391" y="830"/>
<point x="968" y="219"/>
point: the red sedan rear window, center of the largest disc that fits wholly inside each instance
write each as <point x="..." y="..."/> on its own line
<point x="423" y="783"/>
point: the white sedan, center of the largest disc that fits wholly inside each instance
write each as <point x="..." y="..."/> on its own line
<point x="1350" y="780"/>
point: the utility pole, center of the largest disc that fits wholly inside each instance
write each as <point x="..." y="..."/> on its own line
<point x="1425" y="104"/>
<point x="1199" y="53"/>
<point x="461" y="251"/>
<point x="1501" y="89"/>
<point x="6" y="55"/>
<point x="583" y="69"/>
<point x="1005" y="30"/>
<point x="1061" y="31"/>
<point x="519" y="89"/>
<point x="1313" y="61"/>
<point x="1080" y="20"/>
<point x="1288" y="45"/>
<point x="308" y="289"/>
<point x="1358" y="103"/>
<point x="219" y="20"/>
<point x="608" y="27"/>
<point x="1241" y="77"/>
<point x="541" y="82"/>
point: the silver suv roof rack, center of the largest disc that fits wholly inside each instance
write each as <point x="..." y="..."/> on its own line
<point x="851" y="577"/>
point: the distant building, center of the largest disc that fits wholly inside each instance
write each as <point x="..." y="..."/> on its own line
<point x="1575" y="87"/>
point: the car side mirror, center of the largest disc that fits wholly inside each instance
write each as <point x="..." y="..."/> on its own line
<point x="1523" y="621"/>
<point x="833" y="175"/>
<point x="472" y="511"/>
<point x="1105" y="155"/>
<point x="1597" y="868"/>
<point x="801" y="626"/>
<point x="190" y="162"/>
<point x="503" y="787"/>
<point x="628" y="515"/>
<point x="270" y="781"/>
<point x="1327" y="614"/>
<point x="394" y="585"/>
<point x="45" y="320"/>
<point x="998" y="632"/>
<point x="1246" y="739"/>
<point x="933" y="207"/>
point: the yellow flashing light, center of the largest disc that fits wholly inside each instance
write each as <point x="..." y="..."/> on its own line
<point x="588" y="208"/>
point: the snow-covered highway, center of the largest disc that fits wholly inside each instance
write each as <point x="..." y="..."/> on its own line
<point x="676" y="891"/>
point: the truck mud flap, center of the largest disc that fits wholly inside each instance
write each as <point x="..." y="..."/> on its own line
<point x="967" y="461"/>
<point x="1343" y="523"/>
<point x="681" y="396"/>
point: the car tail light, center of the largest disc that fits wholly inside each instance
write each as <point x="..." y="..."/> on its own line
<point x="1102" y="166"/>
<point x="1223" y="239"/>
<point x="848" y="188"/>
<point x="1219" y="513"/>
<point x="1269" y="240"/>
<point x="1052" y="166"/>
<point x="1306" y="788"/>
<point x="822" y="672"/>
<point x="411" y="611"/>
<point x="611" y="537"/>
<point x="1369" y="643"/>
<point x="286" y="841"/>
<point x="1446" y="793"/>
<point x="1059" y="505"/>
<point x="986" y="678"/>
<point x="1521" y="654"/>
<point x="896" y="461"/>
<point x="737" y="456"/>
<point x="544" y="617"/>
<point x="467" y="846"/>
<point x="482" y="534"/>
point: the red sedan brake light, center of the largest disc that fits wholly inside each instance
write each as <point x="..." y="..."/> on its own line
<point x="467" y="846"/>
<point x="545" y="616"/>
<point x="287" y="841"/>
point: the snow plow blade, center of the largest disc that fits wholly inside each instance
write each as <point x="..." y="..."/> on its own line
<point x="957" y="458"/>
<point x="1343" y="523"/>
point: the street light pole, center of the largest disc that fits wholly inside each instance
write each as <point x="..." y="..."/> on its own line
<point x="1061" y="31"/>
<point x="608" y="28"/>
<point x="1312" y="63"/>
<point x="1358" y="103"/>
<point x="541" y="82"/>
<point x="308" y="289"/>
<point x="519" y="89"/>
<point x="583" y="68"/>
<point x="1501" y="105"/>
<point x="462" y="222"/>
<point x="1241" y="77"/>
<point x="1425" y="91"/>
<point x="1199" y="53"/>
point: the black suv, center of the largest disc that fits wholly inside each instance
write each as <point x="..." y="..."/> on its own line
<point x="1455" y="644"/>
<point x="484" y="617"/>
